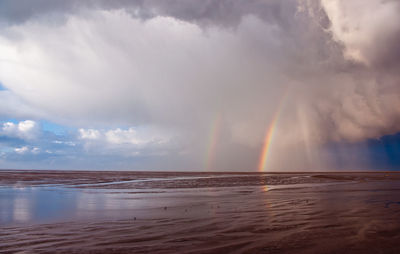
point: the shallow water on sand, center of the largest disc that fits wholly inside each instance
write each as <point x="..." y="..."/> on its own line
<point x="137" y="212"/>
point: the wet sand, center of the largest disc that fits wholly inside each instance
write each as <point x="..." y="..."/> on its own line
<point x="139" y="212"/>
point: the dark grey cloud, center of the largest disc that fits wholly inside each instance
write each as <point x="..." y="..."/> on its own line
<point x="225" y="12"/>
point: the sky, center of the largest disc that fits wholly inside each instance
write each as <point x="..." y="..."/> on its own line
<point x="188" y="85"/>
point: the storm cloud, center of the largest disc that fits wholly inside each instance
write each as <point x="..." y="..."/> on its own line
<point x="323" y="71"/>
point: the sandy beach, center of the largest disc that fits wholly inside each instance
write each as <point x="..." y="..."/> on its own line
<point x="137" y="212"/>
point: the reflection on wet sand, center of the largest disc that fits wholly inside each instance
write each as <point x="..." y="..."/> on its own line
<point x="300" y="214"/>
<point x="21" y="209"/>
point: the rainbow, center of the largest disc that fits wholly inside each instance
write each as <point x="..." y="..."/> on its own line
<point x="212" y="142"/>
<point x="267" y="143"/>
<point x="269" y="134"/>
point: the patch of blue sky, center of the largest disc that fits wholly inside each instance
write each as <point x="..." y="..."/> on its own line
<point x="9" y="120"/>
<point x="7" y="149"/>
<point x="45" y="125"/>
<point x="55" y="128"/>
<point x="2" y="87"/>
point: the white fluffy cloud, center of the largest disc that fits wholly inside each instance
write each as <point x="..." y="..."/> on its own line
<point x="25" y="150"/>
<point x="89" y="134"/>
<point x="27" y="129"/>
<point x="129" y="136"/>
<point x="367" y="29"/>
<point x="123" y="137"/>
<point x="21" y="150"/>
